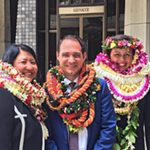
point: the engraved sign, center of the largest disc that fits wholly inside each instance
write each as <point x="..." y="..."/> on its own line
<point x="81" y="10"/>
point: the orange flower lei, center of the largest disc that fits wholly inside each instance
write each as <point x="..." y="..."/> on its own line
<point x="77" y="107"/>
<point x="31" y="94"/>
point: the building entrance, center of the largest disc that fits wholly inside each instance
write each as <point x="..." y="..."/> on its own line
<point x="92" y="20"/>
<point x="88" y="27"/>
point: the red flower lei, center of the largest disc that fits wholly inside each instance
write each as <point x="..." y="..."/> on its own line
<point x="77" y="116"/>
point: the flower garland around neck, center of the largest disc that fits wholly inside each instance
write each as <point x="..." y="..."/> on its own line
<point x="77" y="107"/>
<point x="31" y="94"/>
<point x="127" y="87"/>
<point x="139" y="65"/>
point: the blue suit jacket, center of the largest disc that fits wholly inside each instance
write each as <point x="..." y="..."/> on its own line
<point x="101" y="133"/>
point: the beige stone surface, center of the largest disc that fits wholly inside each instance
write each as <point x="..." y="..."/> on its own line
<point x="137" y="21"/>
<point x="4" y="26"/>
<point x="2" y="31"/>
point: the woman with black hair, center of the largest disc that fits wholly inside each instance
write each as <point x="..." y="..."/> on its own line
<point x="21" y="99"/>
<point x="125" y="66"/>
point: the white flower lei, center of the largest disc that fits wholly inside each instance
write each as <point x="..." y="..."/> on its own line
<point x="31" y="94"/>
<point x="124" y="87"/>
<point x="127" y="87"/>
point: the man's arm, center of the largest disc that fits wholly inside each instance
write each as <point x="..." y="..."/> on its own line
<point x="108" y="120"/>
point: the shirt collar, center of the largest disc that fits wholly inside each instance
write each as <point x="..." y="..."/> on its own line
<point x="67" y="81"/>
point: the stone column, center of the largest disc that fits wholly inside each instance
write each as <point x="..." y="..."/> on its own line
<point x="4" y="25"/>
<point x="137" y="21"/>
<point x="26" y="23"/>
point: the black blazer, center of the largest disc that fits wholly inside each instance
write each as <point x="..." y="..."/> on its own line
<point x="11" y="125"/>
<point x="144" y="122"/>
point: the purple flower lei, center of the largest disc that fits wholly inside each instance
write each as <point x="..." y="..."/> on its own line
<point x="131" y="96"/>
<point x="140" y="61"/>
<point x="137" y="65"/>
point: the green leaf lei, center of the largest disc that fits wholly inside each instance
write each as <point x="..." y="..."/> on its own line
<point x="127" y="137"/>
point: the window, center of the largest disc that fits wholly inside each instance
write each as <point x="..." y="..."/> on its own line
<point x="115" y="17"/>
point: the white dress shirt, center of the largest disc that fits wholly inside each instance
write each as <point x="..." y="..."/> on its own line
<point x="83" y="133"/>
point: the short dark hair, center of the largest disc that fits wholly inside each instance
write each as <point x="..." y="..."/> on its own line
<point x="13" y="51"/>
<point x="75" y="38"/>
<point x="122" y="37"/>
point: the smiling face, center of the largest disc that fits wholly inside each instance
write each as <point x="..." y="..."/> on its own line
<point x="71" y="58"/>
<point x="26" y="64"/>
<point x="122" y="57"/>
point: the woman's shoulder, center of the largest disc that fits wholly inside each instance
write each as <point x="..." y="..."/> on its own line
<point x="5" y="93"/>
<point x="6" y="103"/>
<point x="146" y="98"/>
<point x="7" y="98"/>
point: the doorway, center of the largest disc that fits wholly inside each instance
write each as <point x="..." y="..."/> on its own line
<point x="89" y="27"/>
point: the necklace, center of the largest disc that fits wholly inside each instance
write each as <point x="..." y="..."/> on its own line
<point x="77" y="107"/>
<point x="127" y="88"/>
<point x="31" y="94"/>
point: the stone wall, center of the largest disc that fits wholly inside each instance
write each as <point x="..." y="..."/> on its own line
<point x="137" y="21"/>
